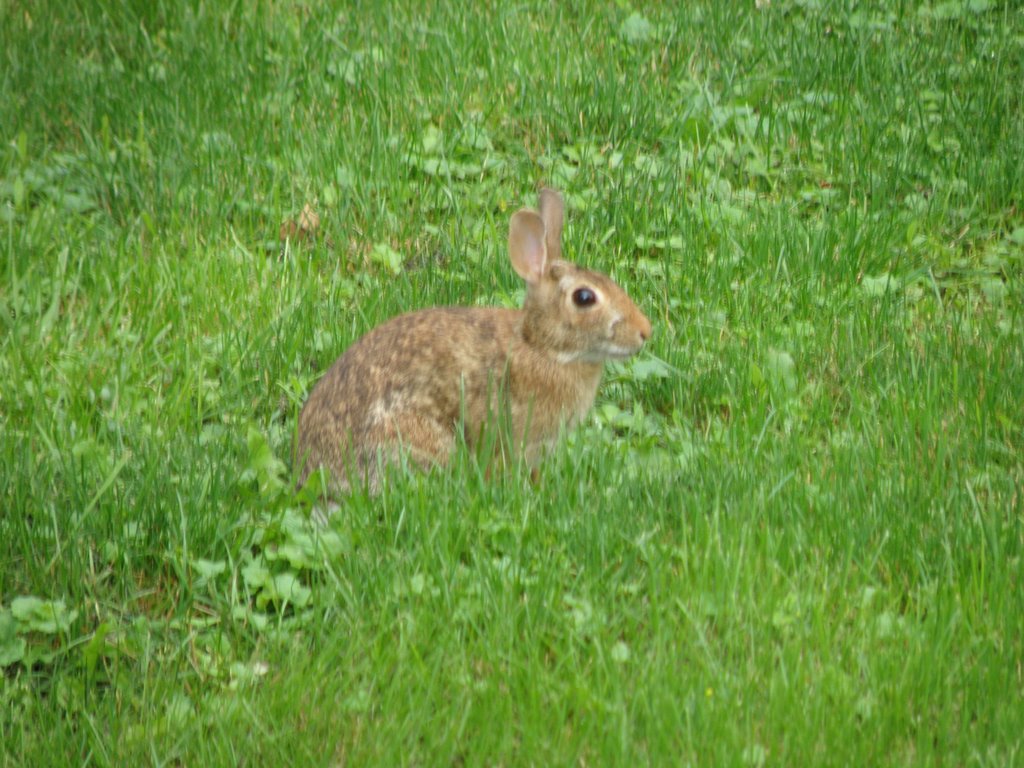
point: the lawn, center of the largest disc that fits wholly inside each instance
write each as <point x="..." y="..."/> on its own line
<point x="791" y="531"/>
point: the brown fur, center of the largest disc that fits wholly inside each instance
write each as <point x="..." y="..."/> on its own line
<point x="411" y="382"/>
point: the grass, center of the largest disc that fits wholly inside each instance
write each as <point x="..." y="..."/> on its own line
<point x="792" y="532"/>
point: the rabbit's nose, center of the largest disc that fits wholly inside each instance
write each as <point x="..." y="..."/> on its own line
<point x="645" y="328"/>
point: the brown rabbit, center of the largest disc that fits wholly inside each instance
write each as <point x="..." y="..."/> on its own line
<point x="411" y="383"/>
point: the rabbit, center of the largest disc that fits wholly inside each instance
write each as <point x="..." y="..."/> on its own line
<point x="411" y="384"/>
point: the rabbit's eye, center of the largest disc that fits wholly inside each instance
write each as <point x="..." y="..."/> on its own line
<point x="584" y="297"/>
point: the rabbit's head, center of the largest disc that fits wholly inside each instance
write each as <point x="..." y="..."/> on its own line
<point x="574" y="314"/>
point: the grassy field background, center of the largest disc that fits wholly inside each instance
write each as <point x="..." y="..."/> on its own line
<point x="792" y="532"/>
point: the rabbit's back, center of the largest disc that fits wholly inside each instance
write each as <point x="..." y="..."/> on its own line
<point x="423" y="371"/>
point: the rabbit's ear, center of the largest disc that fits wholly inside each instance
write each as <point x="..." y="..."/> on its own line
<point x="552" y="211"/>
<point x="526" y="245"/>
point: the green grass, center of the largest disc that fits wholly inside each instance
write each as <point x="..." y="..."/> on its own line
<point x="792" y="533"/>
